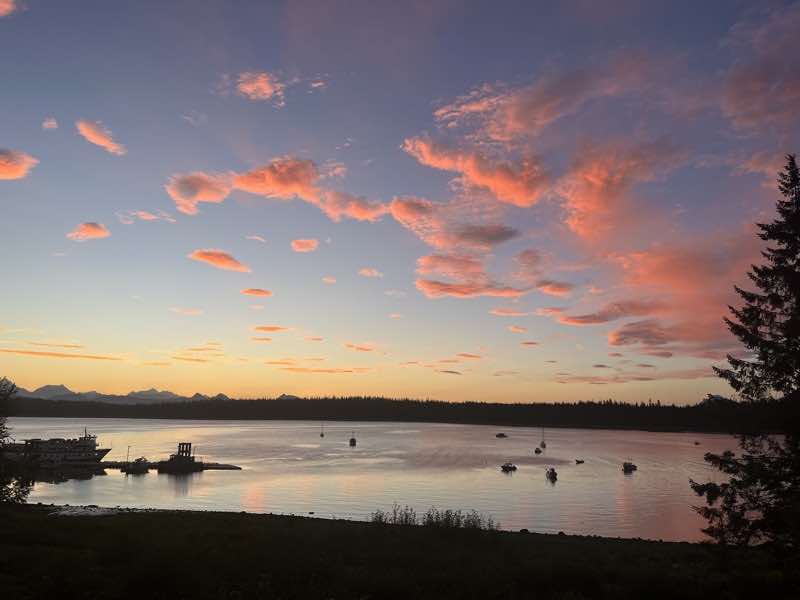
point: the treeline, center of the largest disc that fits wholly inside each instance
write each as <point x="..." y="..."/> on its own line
<point x="712" y="415"/>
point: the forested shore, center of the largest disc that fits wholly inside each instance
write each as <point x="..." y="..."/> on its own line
<point x="712" y="415"/>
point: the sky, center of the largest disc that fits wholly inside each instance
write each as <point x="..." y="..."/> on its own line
<point x="510" y="202"/>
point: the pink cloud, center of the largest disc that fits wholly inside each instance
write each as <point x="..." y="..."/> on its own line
<point x="49" y="124"/>
<point x="219" y="259"/>
<point x="554" y="288"/>
<point x="187" y="191"/>
<point x="469" y="356"/>
<point x="615" y="311"/>
<point x="329" y="280"/>
<point x="7" y="7"/>
<point x="88" y="231"/>
<point x="597" y="188"/>
<point x="283" y="178"/>
<point x="130" y="216"/>
<point x="341" y="204"/>
<point x="501" y="113"/>
<point x="255" y="238"/>
<point x="437" y="289"/>
<point x="307" y="245"/>
<point x="359" y="347"/>
<point x="517" y="329"/>
<point x="44" y="354"/>
<point x="761" y="91"/>
<point x="508" y="312"/>
<point x="261" y="86"/>
<point x="454" y="266"/>
<point x="468" y="223"/>
<point x="95" y="133"/>
<point x="521" y="183"/>
<point x="369" y="272"/>
<point x="529" y="343"/>
<point x="256" y="292"/>
<point x="15" y="165"/>
<point x="261" y="339"/>
<point x="271" y="328"/>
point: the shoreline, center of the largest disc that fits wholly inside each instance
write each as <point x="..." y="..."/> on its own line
<point x="377" y="420"/>
<point x="199" y="554"/>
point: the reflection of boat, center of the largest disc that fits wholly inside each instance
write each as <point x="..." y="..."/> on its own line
<point x="500" y="435"/>
<point x="551" y="474"/>
<point x="629" y="467"/>
<point x="508" y="467"/>
<point x="537" y="450"/>
<point x="57" y="452"/>
<point x="543" y="444"/>
<point x="579" y="461"/>
<point x="353" y="440"/>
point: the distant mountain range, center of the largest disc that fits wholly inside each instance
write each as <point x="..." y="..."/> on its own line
<point x="151" y="396"/>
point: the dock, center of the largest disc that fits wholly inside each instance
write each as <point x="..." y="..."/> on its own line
<point x="203" y="466"/>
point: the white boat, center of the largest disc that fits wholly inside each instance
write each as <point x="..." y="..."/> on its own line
<point x="58" y="452"/>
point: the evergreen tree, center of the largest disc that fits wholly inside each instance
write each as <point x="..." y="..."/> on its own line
<point x="761" y="500"/>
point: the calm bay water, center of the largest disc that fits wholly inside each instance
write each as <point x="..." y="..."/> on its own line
<point x="288" y="468"/>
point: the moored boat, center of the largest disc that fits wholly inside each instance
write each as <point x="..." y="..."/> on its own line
<point x="57" y="453"/>
<point x="629" y="467"/>
<point x="508" y="467"/>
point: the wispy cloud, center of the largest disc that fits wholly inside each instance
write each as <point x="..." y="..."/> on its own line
<point x="96" y="133"/>
<point x="369" y="272"/>
<point x="188" y="312"/>
<point x="305" y="245"/>
<point x="219" y="259"/>
<point x="43" y="354"/>
<point x="88" y="231"/>
<point x="15" y="164"/>
<point x="256" y="292"/>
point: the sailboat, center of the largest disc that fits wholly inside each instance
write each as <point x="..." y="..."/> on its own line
<point x="353" y="440"/>
<point x="322" y="430"/>
<point x="543" y="445"/>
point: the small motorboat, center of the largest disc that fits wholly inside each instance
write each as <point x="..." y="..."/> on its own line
<point x="501" y="435"/>
<point x="629" y="467"/>
<point x="537" y="450"/>
<point x="579" y="461"/>
<point x="551" y="475"/>
<point x="697" y="443"/>
<point x="140" y="466"/>
<point x="508" y="467"/>
<point x="353" y="440"/>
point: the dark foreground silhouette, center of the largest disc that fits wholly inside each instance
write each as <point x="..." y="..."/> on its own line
<point x="227" y="555"/>
<point x="714" y="414"/>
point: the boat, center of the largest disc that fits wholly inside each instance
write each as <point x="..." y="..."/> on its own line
<point x="629" y="467"/>
<point x="500" y="435"/>
<point x="537" y="450"/>
<point x="183" y="461"/>
<point x="508" y="467"/>
<point x="140" y="466"/>
<point x="353" y="440"/>
<point x="322" y="431"/>
<point x="579" y="461"/>
<point x="543" y="444"/>
<point x="57" y="453"/>
<point x="551" y="474"/>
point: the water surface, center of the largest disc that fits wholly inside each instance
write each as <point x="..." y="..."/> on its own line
<point x="289" y="469"/>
